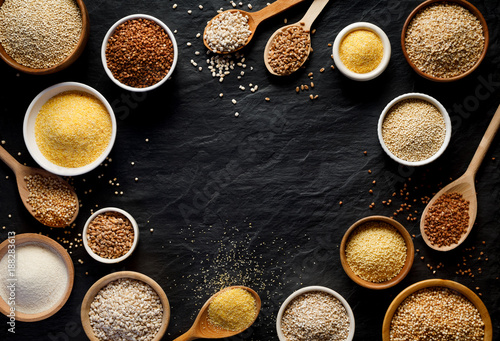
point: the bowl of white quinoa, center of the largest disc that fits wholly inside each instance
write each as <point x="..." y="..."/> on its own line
<point x="437" y="309"/>
<point x="315" y="313"/>
<point x="414" y="129"/>
<point x="69" y="129"/>
<point x="455" y="24"/>
<point x="46" y="46"/>
<point x="125" y="303"/>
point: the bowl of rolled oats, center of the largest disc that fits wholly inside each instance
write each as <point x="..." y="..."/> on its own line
<point x="110" y="235"/>
<point x="125" y="303"/>
<point x="454" y="24"/>
<point x="313" y="313"/>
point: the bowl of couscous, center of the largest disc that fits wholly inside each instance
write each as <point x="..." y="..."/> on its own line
<point x="377" y="252"/>
<point x="69" y="129"/>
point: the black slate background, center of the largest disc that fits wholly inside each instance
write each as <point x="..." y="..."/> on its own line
<point x="254" y="199"/>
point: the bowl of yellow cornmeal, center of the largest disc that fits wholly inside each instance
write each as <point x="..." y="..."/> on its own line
<point x="361" y="51"/>
<point x="69" y="129"/>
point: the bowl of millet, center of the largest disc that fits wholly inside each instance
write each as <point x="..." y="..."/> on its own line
<point x="110" y="235"/>
<point x="46" y="46"/>
<point x="455" y="24"/>
<point x="414" y="129"/>
<point x="377" y="252"/>
<point x="69" y="129"/>
<point x="139" y="53"/>
<point x="437" y="309"/>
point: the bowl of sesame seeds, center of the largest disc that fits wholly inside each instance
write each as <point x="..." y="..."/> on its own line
<point x="444" y="41"/>
<point x="414" y="129"/>
<point x="437" y="309"/>
<point x="69" y="129"/>
<point x="377" y="252"/>
<point x="46" y="46"/>
<point x="110" y="235"/>
<point x="361" y="51"/>
<point x="314" y="313"/>
<point x="139" y="53"/>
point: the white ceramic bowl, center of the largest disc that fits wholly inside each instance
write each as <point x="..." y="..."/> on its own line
<point x="110" y="32"/>
<point x="299" y="292"/>
<point x="385" y="59"/>
<point x="441" y="109"/>
<point x="29" y="128"/>
<point x="110" y="260"/>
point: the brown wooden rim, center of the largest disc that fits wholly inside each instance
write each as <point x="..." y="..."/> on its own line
<point x="26" y="238"/>
<point x="471" y="296"/>
<point x="462" y="3"/>
<point x="97" y="286"/>
<point x="67" y="61"/>
<point x="410" y="254"/>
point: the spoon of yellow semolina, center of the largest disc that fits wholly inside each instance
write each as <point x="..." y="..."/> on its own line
<point x="58" y="209"/>
<point x="225" y="314"/>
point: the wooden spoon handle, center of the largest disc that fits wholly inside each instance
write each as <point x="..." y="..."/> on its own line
<point x="312" y="13"/>
<point x="274" y="8"/>
<point x="9" y="160"/>
<point x="485" y="143"/>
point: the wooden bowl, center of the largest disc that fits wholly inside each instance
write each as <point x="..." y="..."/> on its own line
<point x="410" y="254"/>
<point x="94" y="289"/>
<point x="471" y="296"/>
<point x="67" y="61"/>
<point x="33" y="238"/>
<point x="471" y="9"/>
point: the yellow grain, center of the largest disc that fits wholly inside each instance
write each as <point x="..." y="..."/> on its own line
<point x="233" y="309"/>
<point x="73" y="129"/>
<point x="361" y="51"/>
<point x="376" y="252"/>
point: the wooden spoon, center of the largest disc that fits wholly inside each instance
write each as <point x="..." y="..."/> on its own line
<point x="21" y="171"/>
<point x="305" y="23"/>
<point x="202" y="328"/>
<point x="465" y="185"/>
<point x="254" y="19"/>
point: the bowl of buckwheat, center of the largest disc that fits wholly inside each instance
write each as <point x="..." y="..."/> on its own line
<point x="139" y="53"/>
<point x="110" y="235"/>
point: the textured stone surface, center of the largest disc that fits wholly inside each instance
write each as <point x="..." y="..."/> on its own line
<point x="257" y="196"/>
